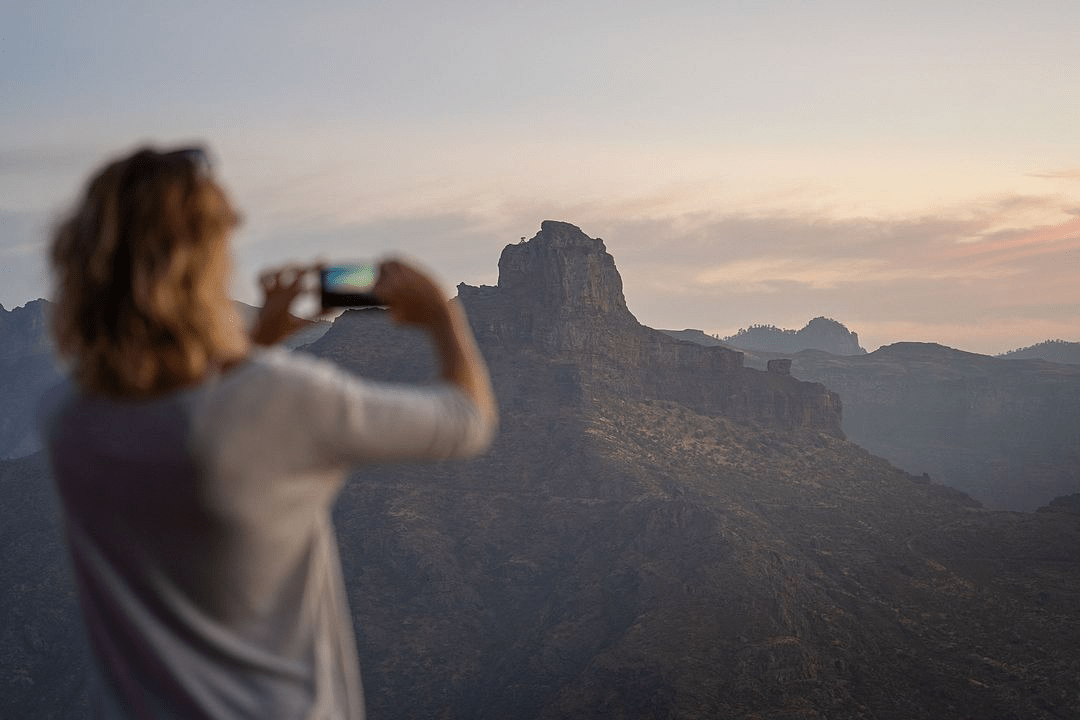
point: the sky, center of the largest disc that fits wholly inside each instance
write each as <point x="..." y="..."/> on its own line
<point x="909" y="169"/>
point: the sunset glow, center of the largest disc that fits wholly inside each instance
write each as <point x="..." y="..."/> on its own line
<point x="910" y="171"/>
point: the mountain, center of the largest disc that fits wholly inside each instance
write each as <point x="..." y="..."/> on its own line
<point x="629" y="548"/>
<point x="1005" y="431"/>
<point x="1058" y="351"/>
<point x="27" y="370"/>
<point x="819" y="334"/>
<point x="560" y="295"/>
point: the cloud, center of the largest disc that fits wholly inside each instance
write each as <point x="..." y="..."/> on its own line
<point x="990" y="268"/>
<point x="1071" y="174"/>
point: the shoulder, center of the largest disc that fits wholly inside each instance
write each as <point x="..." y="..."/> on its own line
<point x="280" y="365"/>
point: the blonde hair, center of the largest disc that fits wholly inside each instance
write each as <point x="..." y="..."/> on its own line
<point x="141" y="269"/>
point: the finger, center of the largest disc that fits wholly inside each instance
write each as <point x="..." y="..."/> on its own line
<point x="286" y="276"/>
<point x="295" y="279"/>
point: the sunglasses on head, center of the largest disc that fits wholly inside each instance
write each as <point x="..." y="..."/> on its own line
<point x="195" y="156"/>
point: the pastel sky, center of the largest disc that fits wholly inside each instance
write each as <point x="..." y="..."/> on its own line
<point x="910" y="169"/>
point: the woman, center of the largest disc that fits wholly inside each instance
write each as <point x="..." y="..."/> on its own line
<point x="196" y="469"/>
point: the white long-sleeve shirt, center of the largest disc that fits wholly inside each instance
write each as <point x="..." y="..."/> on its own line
<point x="199" y="529"/>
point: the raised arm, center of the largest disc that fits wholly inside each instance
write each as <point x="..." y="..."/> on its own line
<point x="414" y="298"/>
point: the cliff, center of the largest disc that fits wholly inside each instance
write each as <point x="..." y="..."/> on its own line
<point x="560" y="295"/>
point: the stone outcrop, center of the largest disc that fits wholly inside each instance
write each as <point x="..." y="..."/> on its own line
<point x="781" y="366"/>
<point x="560" y="295"/>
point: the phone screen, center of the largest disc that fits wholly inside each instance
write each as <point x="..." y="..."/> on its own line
<point x="348" y="285"/>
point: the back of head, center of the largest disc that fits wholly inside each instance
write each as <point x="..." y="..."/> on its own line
<point x="141" y="270"/>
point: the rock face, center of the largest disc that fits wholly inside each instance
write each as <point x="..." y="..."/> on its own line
<point x="819" y="334"/>
<point x="560" y="294"/>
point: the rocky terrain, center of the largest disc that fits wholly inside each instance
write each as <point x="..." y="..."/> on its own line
<point x="631" y="548"/>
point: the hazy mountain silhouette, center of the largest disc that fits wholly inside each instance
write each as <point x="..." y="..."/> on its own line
<point x="821" y="333"/>
<point x="27" y="370"/>
<point x="1005" y="431"/>
<point x="1058" y="351"/>
<point x="658" y="532"/>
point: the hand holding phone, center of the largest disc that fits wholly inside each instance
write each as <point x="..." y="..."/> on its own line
<point x="412" y="296"/>
<point x="274" y="321"/>
<point x="351" y="285"/>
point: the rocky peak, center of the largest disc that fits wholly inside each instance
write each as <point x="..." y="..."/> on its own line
<point x="563" y="271"/>
<point x="828" y="333"/>
<point x="560" y="297"/>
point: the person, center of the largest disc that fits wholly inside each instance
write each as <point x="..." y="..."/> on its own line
<point x="196" y="466"/>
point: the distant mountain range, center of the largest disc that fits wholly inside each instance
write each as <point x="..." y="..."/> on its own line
<point x="27" y="370"/>
<point x="1058" y="351"/>
<point x="1003" y="429"/>
<point x="659" y="531"/>
<point x="821" y="333"/>
<point x="833" y="337"/>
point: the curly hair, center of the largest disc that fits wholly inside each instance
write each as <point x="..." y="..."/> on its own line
<point x="141" y="270"/>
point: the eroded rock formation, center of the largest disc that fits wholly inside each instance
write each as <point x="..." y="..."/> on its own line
<point x="560" y="294"/>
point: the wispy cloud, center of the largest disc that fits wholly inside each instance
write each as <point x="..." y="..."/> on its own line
<point x="1001" y="269"/>
<point x="1070" y="174"/>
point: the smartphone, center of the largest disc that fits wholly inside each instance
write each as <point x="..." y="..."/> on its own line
<point x="348" y="285"/>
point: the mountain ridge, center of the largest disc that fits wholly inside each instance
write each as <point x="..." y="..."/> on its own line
<point x="820" y="333"/>
<point x="1059" y="351"/>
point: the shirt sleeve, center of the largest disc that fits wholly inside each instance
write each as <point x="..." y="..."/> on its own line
<point x="354" y="420"/>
